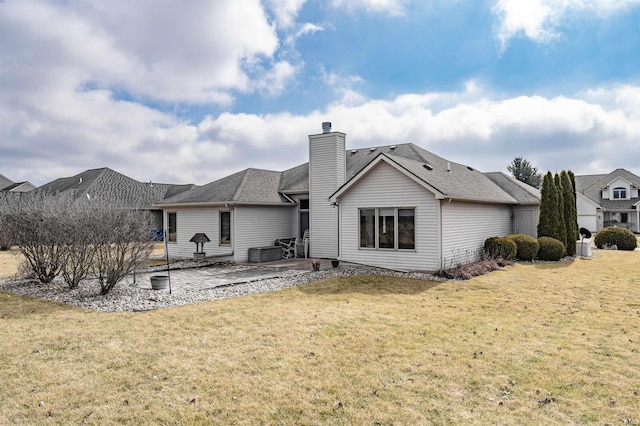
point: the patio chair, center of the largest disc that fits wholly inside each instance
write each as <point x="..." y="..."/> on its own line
<point x="303" y="243"/>
<point x="288" y="248"/>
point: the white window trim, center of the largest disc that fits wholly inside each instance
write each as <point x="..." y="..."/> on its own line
<point x="220" y="244"/>
<point x="376" y="225"/>
<point x="169" y="229"/>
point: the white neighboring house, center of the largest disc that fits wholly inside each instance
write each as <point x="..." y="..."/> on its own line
<point x="395" y="206"/>
<point x="608" y="200"/>
<point x="7" y="185"/>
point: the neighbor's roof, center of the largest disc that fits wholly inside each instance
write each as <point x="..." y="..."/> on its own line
<point x="250" y="186"/>
<point x="592" y="185"/>
<point x="110" y="186"/>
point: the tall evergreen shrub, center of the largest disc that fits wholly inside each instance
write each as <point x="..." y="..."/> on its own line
<point x="549" y="221"/>
<point x="570" y="212"/>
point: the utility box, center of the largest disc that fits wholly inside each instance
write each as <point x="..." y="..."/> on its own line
<point x="583" y="247"/>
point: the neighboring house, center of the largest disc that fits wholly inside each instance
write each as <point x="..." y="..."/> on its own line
<point x="608" y="199"/>
<point x="396" y="206"/>
<point x="106" y="185"/>
<point x="7" y="185"/>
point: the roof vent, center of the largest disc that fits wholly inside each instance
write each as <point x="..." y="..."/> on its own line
<point x="470" y="168"/>
<point x="448" y="166"/>
<point x="326" y="127"/>
<point x="80" y="181"/>
<point x="353" y="151"/>
<point x="393" y="146"/>
<point x="372" y="149"/>
<point x="427" y="166"/>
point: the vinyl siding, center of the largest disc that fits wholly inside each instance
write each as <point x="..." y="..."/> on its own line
<point x="587" y="213"/>
<point x="259" y="226"/>
<point x="251" y="227"/>
<point x="191" y="221"/>
<point x="384" y="186"/>
<point x="326" y="173"/>
<point x="465" y="227"/>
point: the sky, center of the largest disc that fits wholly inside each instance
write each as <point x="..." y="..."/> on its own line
<point x="192" y="91"/>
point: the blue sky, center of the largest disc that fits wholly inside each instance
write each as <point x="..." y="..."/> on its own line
<point x="193" y="91"/>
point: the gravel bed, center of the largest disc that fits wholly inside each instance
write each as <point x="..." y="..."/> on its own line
<point x="132" y="298"/>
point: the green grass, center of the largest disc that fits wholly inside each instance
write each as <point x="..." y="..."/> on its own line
<point x="541" y="343"/>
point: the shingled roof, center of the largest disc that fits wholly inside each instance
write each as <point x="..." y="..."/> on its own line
<point x="250" y="186"/>
<point x="522" y="192"/>
<point x="591" y="186"/>
<point x="453" y="180"/>
<point x="109" y="186"/>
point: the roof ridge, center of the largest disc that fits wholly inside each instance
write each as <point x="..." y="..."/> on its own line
<point x="239" y="188"/>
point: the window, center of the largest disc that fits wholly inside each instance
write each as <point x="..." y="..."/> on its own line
<point x="304" y="215"/>
<point x="620" y="193"/>
<point x="406" y="229"/>
<point x="387" y="228"/>
<point x="225" y="228"/>
<point x="172" y="218"/>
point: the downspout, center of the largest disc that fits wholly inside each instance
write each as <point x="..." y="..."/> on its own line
<point x="339" y="242"/>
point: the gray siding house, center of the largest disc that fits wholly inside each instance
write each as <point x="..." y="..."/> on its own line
<point x="608" y="200"/>
<point x="396" y="206"/>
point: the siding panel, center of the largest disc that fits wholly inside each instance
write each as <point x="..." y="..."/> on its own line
<point x="251" y="227"/>
<point x="326" y="173"/>
<point x="259" y="226"/>
<point x="386" y="187"/>
<point x="465" y="227"/>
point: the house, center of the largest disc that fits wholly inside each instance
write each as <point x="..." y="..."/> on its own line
<point x="106" y="185"/>
<point x="7" y="185"/>
<point x="396" y="206"/>
<point x="608" y="199"/>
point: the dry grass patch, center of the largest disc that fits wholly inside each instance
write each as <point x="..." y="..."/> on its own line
<point x="553" y="343"/>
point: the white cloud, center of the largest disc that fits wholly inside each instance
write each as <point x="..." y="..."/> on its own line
<point x="390" y="7"/>
<point x="539" y="20"/>
<point x="285" y="11"/>
<point x="594" y="131"/>
<point x="162" y="50"/>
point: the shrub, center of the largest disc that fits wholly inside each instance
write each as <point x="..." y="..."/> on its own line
<point x="550" y="249"/>
<point x="473" y="269"/>
<point x="613" y="235"/>
<point x="500" y="247"/>
<point x="527" y="246"/>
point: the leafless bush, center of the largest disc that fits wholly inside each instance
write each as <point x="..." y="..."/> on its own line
<point x="473" y="269"/>
<point x="121" y="245"/>
<point x="77" y="239"/>
<point x="33" y="223"/>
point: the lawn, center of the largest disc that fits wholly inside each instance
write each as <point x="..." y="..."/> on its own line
<point x="542" y="343"/>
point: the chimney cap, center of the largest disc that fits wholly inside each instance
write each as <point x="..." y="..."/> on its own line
<point x="326" y="127"/>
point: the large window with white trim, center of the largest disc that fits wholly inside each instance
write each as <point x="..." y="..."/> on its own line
<point x="387" y="228"/>
<point x="620" y="193"/>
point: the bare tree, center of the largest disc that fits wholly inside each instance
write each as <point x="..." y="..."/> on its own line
<point x="122" y="243"/>
<point x="78" y="243"/>
<point x="33" y="223"/>
<point x="76" y="238"/>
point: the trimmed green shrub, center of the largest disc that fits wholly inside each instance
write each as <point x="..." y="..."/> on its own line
<point x="500" y="247"/>
<point x="613" y="235"/>
<point x="527" y="246"/>
<point x="550" y="249"/>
